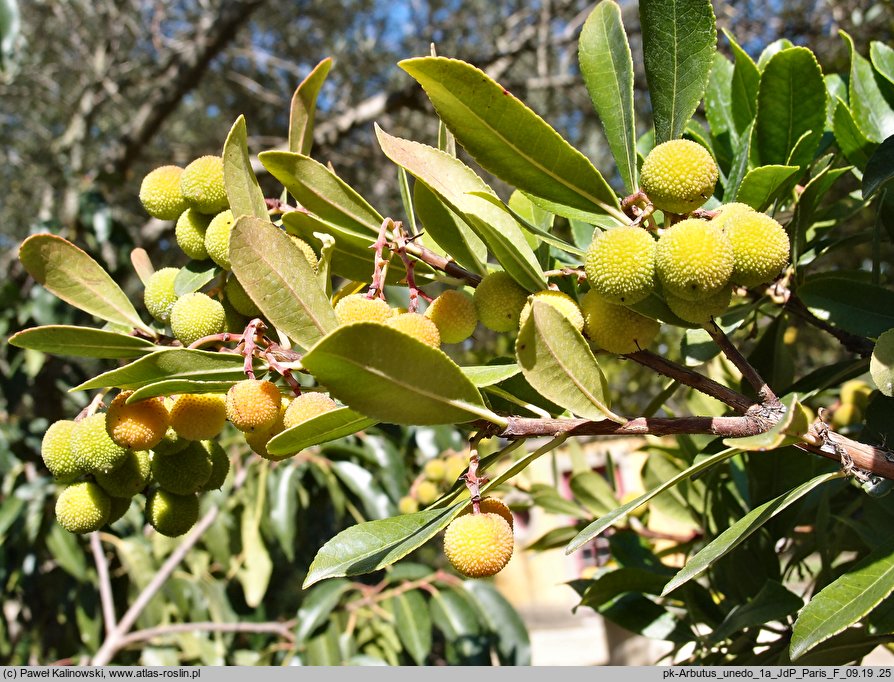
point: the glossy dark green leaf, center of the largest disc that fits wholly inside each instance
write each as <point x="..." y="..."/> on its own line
<point x="858" y="307"/>
<point x="303" y="108"/>
<point x="855" y="145"/>
<point x="719" y="109"/>
<point x="879" y="169"/>
<point x="360" y="482"/>
<point x="66" y="551"/>
<point x="761" y="186"/>
<point x="320" y="429"/>
<point x="81" y="342"/>
<point x="744" y="88"/>
<point x="881" y="366"/>
<point x="548" y="498"/>
<point x="413" y="623"/>
<point x="243" y="191"/>
<point x="771" y="51"/>
<point x="679" y="42"/>
<point x="528" y="211"/>
<point x="283" y="484"/>
<point x="194" y="275"/>
<point x="488" y="375"/>
<point x="773" y="603"/>
<point x="866" y="96"/>
<point x="739" y="163"/>
<point x="176" y="386"/>
<point x="513" y="643"/>
<point x="449" y="230"/>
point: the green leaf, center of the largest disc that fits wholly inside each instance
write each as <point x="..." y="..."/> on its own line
<point x="176" y="386"/>
<point x="320" y="429"/>
<point x="879" y="169"/>
<point x="881" y="366"/>
<point x="413" y="623"/>
<point x="607" y="67"/>
<point x="845" y="601"/>
<point x="762" y="185"/>
<point x="456" y="618"/>
<point x="859" y="307"/>
<point x="773" y="603"/>
<point x="193" y="276"/>
<point x="774" y="437"/>
<point x="64" y="549"/>
<point x="739" y="163"/>
<point x="557" y="361"/>
<point x="882" y="57"/>
<point x="718" y="106"/>
<point x="370" y="546"/>
<point x="791" y="102"/>
<point x="856" y="147"/>
<point x="243" y="191"/>
<point x="392" y="377"/>
<point x="508" y="139"/>
<point x="866" y="95"/>
<point x="455" y="183"/>
<point x="449" y="231"/>
<point x="679" y="41"/>
<point x="609" y="586"/>
<point x="81" y="342"/>
<point x="317" y="605"/>
<point x="258" y="567"/>
<point x="304" y="108"/>
<point x="593" y="491"/>
<point x="741" y="530"/>
<point x="278" y="278"/>
<point x="72" y="275"/>
<point x="488" y="375"/>
<point x="744" y="88"/>
<point x="513" y="643"/>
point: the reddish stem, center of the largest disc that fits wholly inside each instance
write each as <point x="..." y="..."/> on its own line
<point x="377" y="287"/>
<point x="471" y="477"/>
<point x="400" y="240"/>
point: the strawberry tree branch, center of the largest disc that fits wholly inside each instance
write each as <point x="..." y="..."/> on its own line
<point x="105" y="585"/>
<point x="766" y="394"/>
<point x="283" y="630"/>
<point x="446" y="265"/>
<point x="852" y="342"/>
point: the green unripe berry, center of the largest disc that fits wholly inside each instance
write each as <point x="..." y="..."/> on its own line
<point x="694" y="259"/>
<point x="699" y="312"/>
<point x="58" y="454"/>
<point x="159" y="296"/>
<point x="190" y="233"/>
<point x="202" y="185"/>
<point x="160" y="193"/>
<point x="196" y="315"/>
<point x="239" y="299"/>
<point x="453" y="312"/>
<point x="620" y="264"/>
<point x="118" y="507"/>
<point x="257" y="440"/>
<point x="220" y="464"/>
<point x="499" y="302"/>
<point x="217" y="238"/>
<point x="129" y="478"/>
<point x="170" y="514"/>
<point x="83" y="508"/>
<point x="760" y="246"/>
<point x="94" y="449"/>
<point x="427" y="492"/>
<point x="359" y="308"/>
<point x="561" y="302"/>
<point x="171" y="443"/>
<point x="418" y="326"/>
<point x="184" y="473"/>
<point x="616" y="328"/>
<point x="679" y="176"/>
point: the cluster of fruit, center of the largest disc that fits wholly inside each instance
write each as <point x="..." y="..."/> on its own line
<point x="437" y="477"/>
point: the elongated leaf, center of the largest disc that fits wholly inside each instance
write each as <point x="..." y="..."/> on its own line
<point x="258" y="568"/>
<point x="773" y="602"/>
<point x="593" y="491"/>
<point x="762" y="185"/>
<point x="858" y="307"/>
<point x="513" y="643"/>
<point x="855" y="145"/>
<point x="679" y="40"/>
<point x="488" y="375"/>
<point x="72" y="275"/>
<point x="607" y="67"/>
<point x="278" y="278"/>
<point x="739" y="163"/>
<point x="142" y="265"/>
<point x="81" y="342"/>
<point x="508" y="139"/>
<point x="449" y="230"/>
<point x="413" y="623"/>
<point x="243" y="191"/>
<point x="867" y="100"/>
<point x="741" y="530"/>
<point x="744" y="88"/>
<point x="845" y="601"/>
<point x="882" y="57"/>
<point x="176" y="386"/>
<point x="557" y="361"/>
<point x="317" y="605"/>
<point x="194" y="275"/>
<point x="611" y="585"/>
<point x="719" y="109"/>
<point x="304" y="108"/>
<point x="391" y="377"/>
<point x="879" y="169"/>
<point x="370" y="546"/>
<point x="455" y="183"/>
<point x="320" y="429"/>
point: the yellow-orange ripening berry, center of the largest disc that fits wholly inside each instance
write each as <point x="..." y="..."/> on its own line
<point x="309" y="254"/>
<point x="159" y="296"/>
<point x="253" y="404"/>
<point x="407" y="505"/>
<point x="616" y="328"/>
<point x="427" y="492"/>
<point x="190" y="233"/>
<point x="160" y="193"/>
<point x="561" y="302"/>
<point x="94" y="450"/>
<point x="694" y="259"/>
<point x="195" y="316"/>
<point x="170" y="514"/>
<point x="183" y="473"/>
<point x="129" y="478"/>
<point x="198" y="416"/>
<point x="760" y="247"/>
<point x="492" y="505"/>
<point x="220" y="464"/>
<point x="257" y="440"/>
<point x="699" y="312"/>
<point x="58" y="454"/>
<point x="499" y="302"/>
<point x="435" y="469"/>
<point x="620" y="264"/>
<point x="478" y="545"/>
<point x="359" y="308"/>
<point x="306" y="406"/>
<point x="453" y="312"/>
<point x="202" y="184"/>
<point x="83" y="508"/>
<point x="139" y="425"/>
<point x="418" y="326"/>
<point x="679" y="176"/>
<point x="217" y="238"/>
<point x="239" y="299"/>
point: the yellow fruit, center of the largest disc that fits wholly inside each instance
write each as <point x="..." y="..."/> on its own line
<point x="760" y="246"/>
<point x="58" y="453"/>
<point x="118" y="508"/>
<point x="620" y="264"/>
<point x="159" y="296"/>
<point x="478" y="545"/>
<point x="435" y="470"/>
<point x="407" y="505"/>
<point x="499" y="302"/>
<point x="160" y="193"/>
<point x="427" y="492"/>
<point x="856" y="392"/>
<point x="171" y="443"/>
<point x="309" y="255"/>
<point x="94" y="450"/>
<point x="418" y="326"/>
<point x="453" y="312"/>
<point x="694" y="259"/>
<point x="456" y="466"/>
<point x="359" y="308"/>
<point x="198" y="416"/>
<point x="139" y="425"/>
<point x="239" y="299"/>
<point x="630" y="496"/>
<point x="129" y="478"/>
<point x="202" y="184"/>
<point x="172" y="515"/>
<point x="700" y="312"/>
<point x="492" y="505"/>
<point x="220" y="464"/>
<point x="253" y="404"/>
<point x="616" y="328"/>
<point x="195" y="316"/>
<point x="845" y="415"/>
<point x="190" y="233"/>
<point x="217" y="238"/>
<point x="83" y="508"/>
<point x="679" y="176"/>
<point x="185" y="473"/>
<point x="727" y="211"/>
<point x="561" y="302"/>
<point x="306" y="406"/>
<point x="257" y="440"/>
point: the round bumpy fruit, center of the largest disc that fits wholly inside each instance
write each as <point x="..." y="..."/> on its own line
<point x="407" y="505"/>
<point x="202" y="184"/>
<point x="309" y="254"/>
<point x="499" y="302"/>
<point x="217" y="238"/>
<point x="561" y="302"/>
<point x="172" y="515"/>
<point x="679" y="176"/>
<point x="258" y="440"/>
<point x="760" y="246"/>
<point x="359" y="308"/>
<point x="139" y="425"/>
<point x="190" y="233"/>
<point x="435" y="469"/>
<point x="129" y="478"/>
<point x="239" y="299"/>
<point x="220" y="464"/>
<point x="171" y="442"/>
<point x="456" y="466"/>
<point x="699" y="312"/>
<point x="198" y="416"/>
<point x="427" y="492"/>
<point x="118" y="508"/>
<point x="453" y="312"/>
<point x="195" y="316"/>
<point x="478" y="545"/>
<point x="159" y="296"/>
<point x="620" y="264"/>
<point x="694" y="259"/>
<point x="58" y="454"/>
<point x="160" y="193"/>
<point x="418" y="326"/>
<point x="616" y="328"/>
<point x="253" y="404"/>
<point x="492" y="505"/>
<point x="83" y="508"/>
<point x="306" y="406"/>
<point x="183" y="473"/>
<point x="94" y="450"/>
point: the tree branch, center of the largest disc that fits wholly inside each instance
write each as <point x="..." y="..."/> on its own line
<point x="105" y="586"/>
<point x="764" y="392"/>
<point x="852" y="342"/>
<point x="284" y="630"/>
<point x="732" y="427"/>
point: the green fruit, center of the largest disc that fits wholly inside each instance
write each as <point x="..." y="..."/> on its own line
<point x="202" y="184"/>
<point x="359" y="308"/>
<point x="185" y="473"/>
<point x="453" y="312"/>
<point x="198" y="416"/>
<point x="616" y="328"/>
<point x="94" y="450"/>
<point x="418" y="326"/>
<point x="171" y="443"/>
<point x="220" y="465"/>
<point x="118" y="508"/>
<point x="253" y="404"/>
<point x="679" y="176"/>
<point x="195" y="316"/>
<point x="239" y="299"/>
<point x="190" y="233"/>
<point x="83" y="508"/>
<point x="699" y="312"/>
<point x="160" y="193"/>
<point x="138" y="425"/>
<point x="499" y="302"/>
<point x="620" y="264"/>
<point x="760" y="246"/>
<point x="217" y="238"/>
<point x="427" y="492"/>
<point x="170" y="514"/>
<point x="58" y="454"/>
<point x="561" y="302"/>
<point x="129" y="478"/>
<point x="694" y="259"/>
<point x="435" y="470"/>
<point x="307" y="406"/>
<point x="235" y="321"/>
<point x="159" y="296"/>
